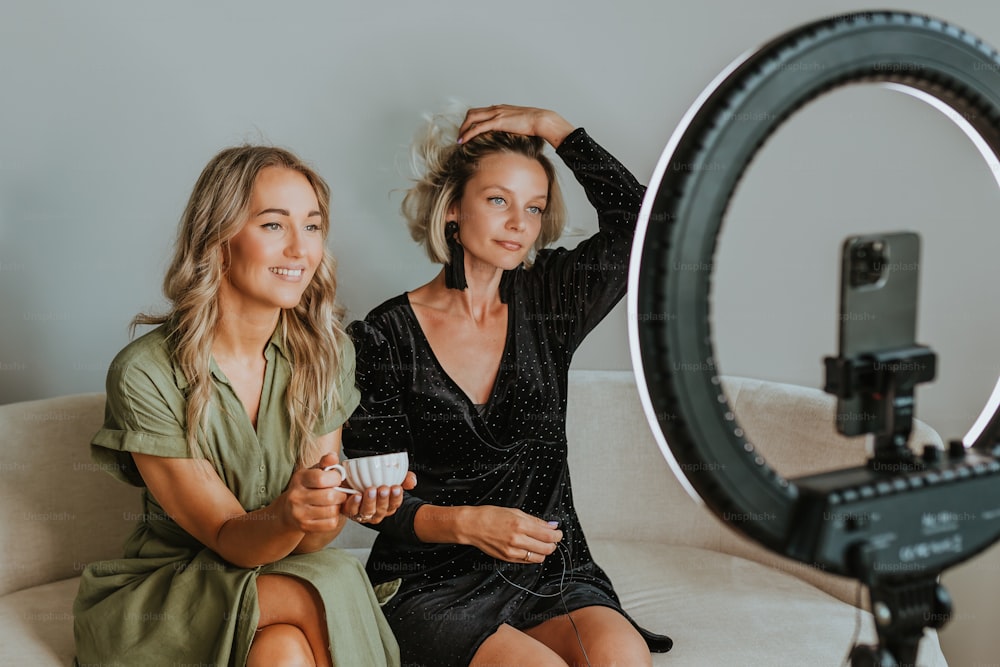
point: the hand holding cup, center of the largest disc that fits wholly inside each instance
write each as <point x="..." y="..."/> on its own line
<point x="366" y="472"/>
<point x="376" y="484"/>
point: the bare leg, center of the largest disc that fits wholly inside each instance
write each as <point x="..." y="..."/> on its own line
<point x="280" y="645"/>
<point x="609" y="639"/>
<point x="508" y="647"/>
<point x="292" y="626"/>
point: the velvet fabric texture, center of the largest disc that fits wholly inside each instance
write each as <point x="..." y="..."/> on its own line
<point x="444" y="600"/>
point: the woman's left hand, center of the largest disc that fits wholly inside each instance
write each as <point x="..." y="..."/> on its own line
<point x="543" y="123"/>
<point x="376" y="503"/>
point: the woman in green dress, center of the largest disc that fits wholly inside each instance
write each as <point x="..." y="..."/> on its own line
<point x="227" y="414"/>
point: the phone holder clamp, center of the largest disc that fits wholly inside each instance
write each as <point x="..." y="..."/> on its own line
<point x="883" y="384"/>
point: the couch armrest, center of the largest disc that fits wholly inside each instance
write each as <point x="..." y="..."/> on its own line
<point x="59" y="510"/>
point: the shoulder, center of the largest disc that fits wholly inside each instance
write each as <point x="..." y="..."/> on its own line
<point x="381" y="322"/>
<point x="145" y="390"/>
<point x="347" y="355"/>
<point x="150" y="347"/>
<point x="546" y="262"/>
<point x="389" y="309"/>
<point x="148" y="356"/>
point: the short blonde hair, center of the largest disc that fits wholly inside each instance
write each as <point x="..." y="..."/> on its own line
<point x="442" y="167"/>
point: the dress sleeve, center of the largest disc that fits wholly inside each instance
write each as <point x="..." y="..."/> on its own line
<point x="575" y="289"/>
<point x="348" y="396"/>
<point x="144" y="412"/>
<point x="380" y="424"/>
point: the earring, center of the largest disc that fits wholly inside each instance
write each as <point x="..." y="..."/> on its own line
<point x="454" y="270"/>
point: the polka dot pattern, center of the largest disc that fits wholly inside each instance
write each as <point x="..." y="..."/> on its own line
<point x="510" y="452"/>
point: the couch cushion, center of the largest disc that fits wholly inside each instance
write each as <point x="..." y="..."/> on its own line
<point x="726" y="610"/>
<point x="38" y="625"/>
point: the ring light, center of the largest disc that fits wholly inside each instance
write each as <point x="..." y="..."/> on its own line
<point x="670" y="332"/>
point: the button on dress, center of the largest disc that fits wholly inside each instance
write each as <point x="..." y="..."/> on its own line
<point x="170" y="600"/>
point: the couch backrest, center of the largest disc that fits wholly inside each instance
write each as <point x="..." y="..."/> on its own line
<point x="59" y="510"/>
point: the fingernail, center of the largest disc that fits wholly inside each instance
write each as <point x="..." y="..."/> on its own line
<point x="371" y="494"/>
<point x="396" y="491"/>
<point x="460" y="140"/>
<point x="553" y="524"/>
<point x="384" y="493"/>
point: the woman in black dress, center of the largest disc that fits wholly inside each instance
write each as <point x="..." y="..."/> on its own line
<point x="485" y="563"/>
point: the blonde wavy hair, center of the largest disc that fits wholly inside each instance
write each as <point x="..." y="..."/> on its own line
<point x="442" y="167"/>
<point x="312" y="331"/>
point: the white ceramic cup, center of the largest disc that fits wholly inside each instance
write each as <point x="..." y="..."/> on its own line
<point x="367" y="471"/>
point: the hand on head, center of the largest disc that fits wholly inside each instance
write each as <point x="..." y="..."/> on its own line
<point x="532" y="121"/>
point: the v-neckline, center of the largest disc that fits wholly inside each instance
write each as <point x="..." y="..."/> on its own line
<point x="265" y="390"/>
<point x="444" y="373"/>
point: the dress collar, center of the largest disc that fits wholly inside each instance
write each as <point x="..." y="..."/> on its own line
<point x="275" y="344"/>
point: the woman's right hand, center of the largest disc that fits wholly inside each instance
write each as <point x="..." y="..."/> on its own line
<point x="532" y="121"/>
<point x="312" y="504"/>
<point x="508" y="534"/>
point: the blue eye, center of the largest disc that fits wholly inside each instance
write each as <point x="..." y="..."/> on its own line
<point x="536" y="210"/>
<point x="272" y="226"/>
<point x="497" y="201"/>
<point x="314" y="228"/>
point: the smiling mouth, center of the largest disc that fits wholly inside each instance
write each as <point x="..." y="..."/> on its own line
<point x="291" y="273"/>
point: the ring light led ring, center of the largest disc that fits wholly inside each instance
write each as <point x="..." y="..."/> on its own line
<point x="669" y="327"/>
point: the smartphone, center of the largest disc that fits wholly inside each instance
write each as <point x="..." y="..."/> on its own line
<point x="879" y="277"/>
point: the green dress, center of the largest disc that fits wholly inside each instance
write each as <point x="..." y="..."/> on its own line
<point x="172" y="601"/>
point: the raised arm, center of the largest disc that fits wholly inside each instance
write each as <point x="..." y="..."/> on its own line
<point x="531" y="121"/>
<point x="578" y="287"/>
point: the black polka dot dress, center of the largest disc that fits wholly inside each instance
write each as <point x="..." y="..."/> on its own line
<point x="444" y="600"/>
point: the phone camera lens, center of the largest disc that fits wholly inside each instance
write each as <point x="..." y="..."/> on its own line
<point x="868" y="262"/>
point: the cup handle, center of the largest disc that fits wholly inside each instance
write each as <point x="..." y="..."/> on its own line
<point x="343" y="473"/>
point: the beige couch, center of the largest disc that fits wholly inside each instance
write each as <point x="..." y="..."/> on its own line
<point x="679" y="570"/>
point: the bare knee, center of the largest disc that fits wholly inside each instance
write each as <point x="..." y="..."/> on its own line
<point x="284" y="599"/>
<point x="280" y="645"/>
<point x="623" y="648"/>
<point x="508" y="647"/>
<point x="627" y="654"/>
<point x="293" y="603"/>
<point x="597" y="636"/>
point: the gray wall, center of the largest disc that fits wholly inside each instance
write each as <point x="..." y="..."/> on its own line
<point x="110" y="108"/>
